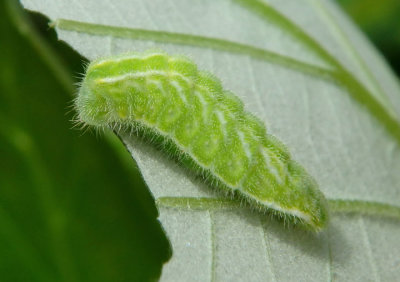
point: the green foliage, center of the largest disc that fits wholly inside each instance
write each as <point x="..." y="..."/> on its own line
<point x="70" y="208"/>
<point x="380" y="20"/>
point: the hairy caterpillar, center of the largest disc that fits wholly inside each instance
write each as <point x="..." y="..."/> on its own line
<point x="169" y="101"/>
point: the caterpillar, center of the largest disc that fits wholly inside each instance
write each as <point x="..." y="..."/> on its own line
<point x="168" y="101"/>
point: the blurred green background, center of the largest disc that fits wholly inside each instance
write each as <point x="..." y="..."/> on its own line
<point x="380" y="20"/>
<point x="73" y="206"/>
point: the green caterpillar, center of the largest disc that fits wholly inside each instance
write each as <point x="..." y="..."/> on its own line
<point x="167" y="100"/>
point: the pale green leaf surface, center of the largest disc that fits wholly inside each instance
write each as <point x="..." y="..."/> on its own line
<point x="334" y="135"/>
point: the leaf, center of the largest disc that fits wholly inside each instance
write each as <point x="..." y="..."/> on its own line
<point x="304" y="69"/>
<point x="67" y="212"/>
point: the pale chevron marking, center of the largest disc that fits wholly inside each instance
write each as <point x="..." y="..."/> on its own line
<point x="181" y="93"/>
<point x="245" y="145"/>
<point x="267" y="158"/>
<point x="204" y="105"/>
<point x="281" y="168"/>
<point x="222" y="125"/>
<point x="160" y="86"/>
